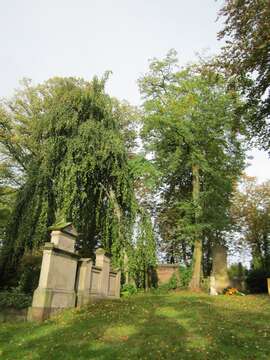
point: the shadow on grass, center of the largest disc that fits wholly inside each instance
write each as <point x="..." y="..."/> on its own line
<point x="146" y="327"/>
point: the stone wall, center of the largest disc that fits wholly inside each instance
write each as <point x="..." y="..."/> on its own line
<point x="66" y="280"/>
<point x="97" y="280"/>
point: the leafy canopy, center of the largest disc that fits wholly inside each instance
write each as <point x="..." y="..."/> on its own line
<point x="192" y="118"/>
<point x="246" y="55"/>
<point x="65" y="140"/>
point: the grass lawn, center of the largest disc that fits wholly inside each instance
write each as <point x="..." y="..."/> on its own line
<point x="178" y="325"/>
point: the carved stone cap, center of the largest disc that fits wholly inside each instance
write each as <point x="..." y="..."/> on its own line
<point x="101" y="251"/>
<point x="65" y="227"/>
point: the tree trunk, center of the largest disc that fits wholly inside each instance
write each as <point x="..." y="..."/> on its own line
<point x="197" y="253"/>
<point x="195" y="282"/>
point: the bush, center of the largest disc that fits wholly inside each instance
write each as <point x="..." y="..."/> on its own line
<point x="173" y="282"/>
<point x="237" y="271"/>
<point x="30" y="270"/>
<point x="128" y="290"/>
<point x="257" y="280"/>
<point x="14" y="299"/>
<point x="185" y="276"/>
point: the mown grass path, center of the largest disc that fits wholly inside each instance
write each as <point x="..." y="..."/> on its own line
<point x="173" y="326"/>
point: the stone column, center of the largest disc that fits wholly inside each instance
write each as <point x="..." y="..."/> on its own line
<point x="84" y="281"/>
<point x="212" y="285"/>
<point x="56" y="289"/>
<point x="103" y="261"/>
<point x="118" y="284"/>
<point x="219" y="270"/>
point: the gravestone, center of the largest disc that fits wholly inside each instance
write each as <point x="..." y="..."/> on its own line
<point x="99" y="280"/>
<point x="219" y="277"/>
<point x="57" y="276"/>
<point x="66" y="280"/>
<point x="212" y="284"/>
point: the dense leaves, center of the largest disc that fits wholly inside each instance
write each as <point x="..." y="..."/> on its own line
<point x="14" y="299"/>
<point x="246" y="57"/>
<point x="192" y="126"/>
<point x="142" y="255"/>
<point x="66" y="140"/>
<point x="251" y="215"/>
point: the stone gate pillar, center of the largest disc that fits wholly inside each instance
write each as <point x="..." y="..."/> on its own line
<point x="56" y="288"/>
<point x="104" y="262"/>
<point x="84" y="278"/>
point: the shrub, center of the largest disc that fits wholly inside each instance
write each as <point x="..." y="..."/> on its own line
<point x="185" y="276"/>
<point x="236" y="271"/>
<point x="257" y="280"/>
<point x="128" y="290"/>
<point x="30" y="270"/>
<point x="173" y="282"/>
<point x="14" y="299"/>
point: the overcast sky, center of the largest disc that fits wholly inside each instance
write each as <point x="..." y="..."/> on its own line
<point x="44" y="38"/>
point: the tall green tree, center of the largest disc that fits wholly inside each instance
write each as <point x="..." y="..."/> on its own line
<point x="245" y="57"/>
<point x="142" y="253"/>
<point x="192" y="129"/>
<point x="66" y="141"/>
<point x="251" y="215"/>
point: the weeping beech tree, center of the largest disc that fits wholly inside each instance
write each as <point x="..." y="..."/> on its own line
<point x="65" y="140"/>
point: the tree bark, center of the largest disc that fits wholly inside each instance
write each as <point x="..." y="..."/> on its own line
<point x="197" y="253"/>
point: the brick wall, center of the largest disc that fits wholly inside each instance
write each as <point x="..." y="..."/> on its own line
<point x="165" y="272"/>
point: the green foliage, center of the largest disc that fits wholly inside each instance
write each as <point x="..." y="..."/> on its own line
<point x="256" y="280"/>
<point x="142" y="253"/>
<point x="29" y="270"/>
<point x="251" y="216"/>
<point x="7" y="198"/>
<point x="236" y="271"/>
<point x="128" y="290"/>
<point x="245" y="58"/>
<point x="185" y="274"/>
<point x="14" y="299"/>
<point x="173" y="282"/>
<point x="145" y="176"/>
<point x="66" y="137"/>
<point x="192" y="121"/>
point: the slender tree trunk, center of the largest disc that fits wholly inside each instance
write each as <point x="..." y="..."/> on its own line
<point x="197" y="253"/>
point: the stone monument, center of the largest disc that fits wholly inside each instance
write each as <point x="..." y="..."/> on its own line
<point x="58" y="274"/>
<point x="66" y="280"/>
<point x="219" y="279"/>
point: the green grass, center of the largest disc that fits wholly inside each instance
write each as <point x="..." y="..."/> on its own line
<point x="178" y="325"/>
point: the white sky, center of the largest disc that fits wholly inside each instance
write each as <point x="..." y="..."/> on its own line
<point x="44" y="38"/>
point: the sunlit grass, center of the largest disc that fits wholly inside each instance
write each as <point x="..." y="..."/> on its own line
<point x="174" y="326"/>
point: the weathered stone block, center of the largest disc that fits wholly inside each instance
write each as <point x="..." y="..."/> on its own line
<point x="67" y="281"/>
<point x="219" y="270"/>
